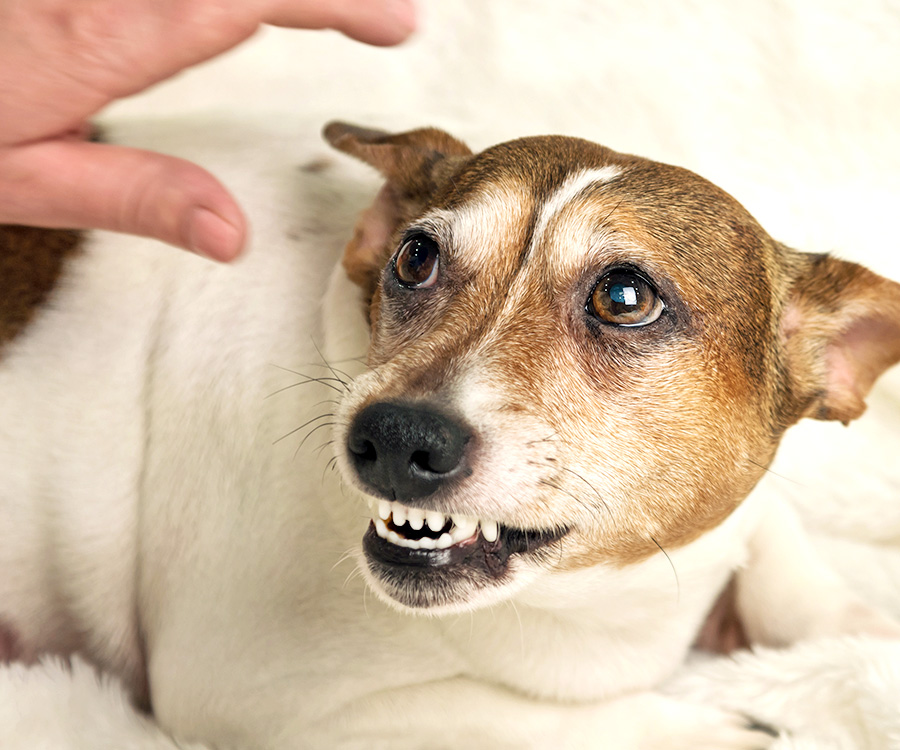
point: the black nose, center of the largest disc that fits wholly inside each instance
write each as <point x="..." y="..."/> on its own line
<point x="402" y="451"/>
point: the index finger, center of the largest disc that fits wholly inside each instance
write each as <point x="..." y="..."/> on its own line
<point x="383" y="23"/>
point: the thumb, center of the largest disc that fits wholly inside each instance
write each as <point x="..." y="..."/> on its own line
<point x="78" y="185"/>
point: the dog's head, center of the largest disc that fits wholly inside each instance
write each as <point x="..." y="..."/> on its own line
<point x="577" y="357"/>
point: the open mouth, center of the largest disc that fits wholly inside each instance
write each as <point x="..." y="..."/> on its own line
<point x="414" y="549"/>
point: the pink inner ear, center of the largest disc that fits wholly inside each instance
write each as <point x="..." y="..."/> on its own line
<point x="855" y="360"/>
<point x="841" y="330"/>
<point x="369" y="247"/>
<point x="379" y="221"/>
<point x="843" y="398"/>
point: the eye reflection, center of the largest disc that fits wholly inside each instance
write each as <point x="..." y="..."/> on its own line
<point x="625" y="298"/>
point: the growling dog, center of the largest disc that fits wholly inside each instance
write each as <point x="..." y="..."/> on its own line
<point x="549" y="376"/>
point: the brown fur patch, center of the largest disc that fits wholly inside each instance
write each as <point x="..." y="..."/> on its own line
<point x="30" y="263"/>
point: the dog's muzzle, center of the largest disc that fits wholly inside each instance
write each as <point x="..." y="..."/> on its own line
<point x="413" y="456"/>
<point x="405" y="451"/>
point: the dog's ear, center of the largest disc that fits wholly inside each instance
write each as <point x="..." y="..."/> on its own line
<point x="414" y="164"/>
<point x="841" y="328"/>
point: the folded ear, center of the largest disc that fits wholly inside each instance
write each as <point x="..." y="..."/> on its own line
<point x="414" y="164"/>
<point x="841" y="327"/>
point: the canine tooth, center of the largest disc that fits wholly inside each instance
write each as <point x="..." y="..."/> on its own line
<point x="381" y="528"/>
<point x="399" y="513"/>
<point x="384" y="510"/>
<point x="464" y="527"/>
<point x="490" y="530"/>
<point x="443" y="541"/>
<point x="435" y="520"/>
<point x="415" y="518"/>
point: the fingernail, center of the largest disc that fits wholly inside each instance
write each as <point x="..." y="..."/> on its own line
<point x="213" y="237"/>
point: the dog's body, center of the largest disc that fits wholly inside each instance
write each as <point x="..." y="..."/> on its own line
<point x="159" y="514"/>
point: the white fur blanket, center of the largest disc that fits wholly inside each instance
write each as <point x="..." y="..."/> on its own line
<point x="791" y="105"/>
<point x="824" y="695"/>
<point x="827" y="695"/>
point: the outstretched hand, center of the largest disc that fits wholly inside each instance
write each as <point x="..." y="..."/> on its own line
<point x="62" y="61"/>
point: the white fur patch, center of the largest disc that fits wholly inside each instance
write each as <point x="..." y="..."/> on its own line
<point x="574" y="186"/>
<point x="487" y="224"/>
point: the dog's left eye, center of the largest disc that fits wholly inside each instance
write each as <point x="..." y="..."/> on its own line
<point x="416" y="265"/>
<point x="623" y="297"/>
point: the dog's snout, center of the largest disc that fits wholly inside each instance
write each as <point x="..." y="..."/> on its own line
<point x="403" y="451"/>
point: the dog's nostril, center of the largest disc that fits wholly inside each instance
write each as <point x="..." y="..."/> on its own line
<point x="422" y="460"/>
<point x="363" y="449"/>
<point x="419" y="460"/>
<point x="437" y="462"/>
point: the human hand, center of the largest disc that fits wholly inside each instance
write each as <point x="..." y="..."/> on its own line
<point x="62" y="61"/>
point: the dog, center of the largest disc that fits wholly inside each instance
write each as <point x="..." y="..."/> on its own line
<point x="551" y="375"/>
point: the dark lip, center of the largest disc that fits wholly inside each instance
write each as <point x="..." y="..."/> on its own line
<point x="471" y="556"/>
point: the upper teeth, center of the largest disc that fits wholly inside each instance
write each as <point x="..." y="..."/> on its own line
<point x="461" y="527"/>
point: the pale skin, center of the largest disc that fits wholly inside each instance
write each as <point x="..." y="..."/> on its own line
<point x="62" y="61"/>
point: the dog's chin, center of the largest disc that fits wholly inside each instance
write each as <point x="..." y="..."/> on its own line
<point x="470" y="574"/>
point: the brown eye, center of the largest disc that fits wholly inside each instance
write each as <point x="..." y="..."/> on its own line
<point x="416" y="265"/>
<point x="624" y="298"/>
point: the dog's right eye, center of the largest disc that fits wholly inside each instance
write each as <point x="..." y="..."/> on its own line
<point x="416" y="265"/>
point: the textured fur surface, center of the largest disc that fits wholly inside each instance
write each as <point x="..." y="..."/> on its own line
<point x="766" y="100"/>
<point x="826" y="695"/>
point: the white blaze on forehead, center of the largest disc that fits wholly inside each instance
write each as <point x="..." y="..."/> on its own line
<point x="494" y="219"/>
<point x="575" y="186"/>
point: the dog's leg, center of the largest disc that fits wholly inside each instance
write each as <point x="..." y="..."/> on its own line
<point x="787" y="592"/>
<point x="464" y="713"/>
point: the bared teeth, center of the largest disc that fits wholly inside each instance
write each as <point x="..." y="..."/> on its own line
<point x="490" y="530"/>
<point x="466" y="526"/>
<point x="436" y="521"/>
<point x="415" y="518"/>
<point x="390" y="517"/>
